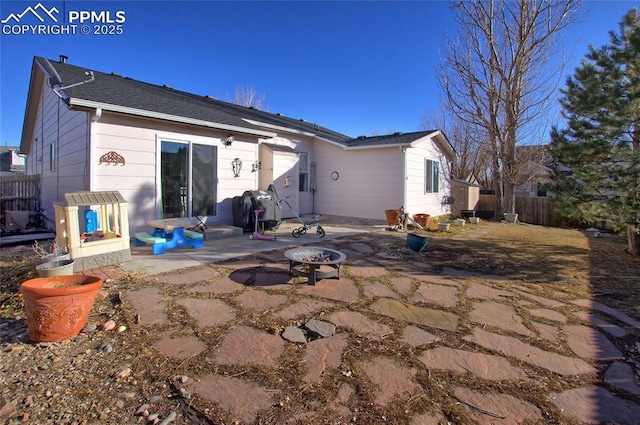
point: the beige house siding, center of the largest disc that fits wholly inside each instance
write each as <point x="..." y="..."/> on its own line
<point x="138" y="141"/>
<point x="419" y="202"/>
<point x="370" y="181"/>
<point x="66" y="130"/>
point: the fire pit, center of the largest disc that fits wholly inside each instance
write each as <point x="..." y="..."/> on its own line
<point x="306" y="261"/>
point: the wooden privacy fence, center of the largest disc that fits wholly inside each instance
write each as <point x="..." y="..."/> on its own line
<point x="530" y="209"/>
<point x="20" y="193"/>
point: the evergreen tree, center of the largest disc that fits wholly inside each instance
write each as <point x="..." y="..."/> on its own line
<point x="596" y="177"/>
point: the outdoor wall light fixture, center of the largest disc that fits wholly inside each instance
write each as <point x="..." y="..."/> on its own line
<point x="236" y="166"/>
<point x="256" y="166"/>
<point x="228" y="140"/>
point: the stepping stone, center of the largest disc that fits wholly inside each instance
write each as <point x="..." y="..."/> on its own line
<point x="192" y="276"/>
<point x="245" y="345"/>
<point x="548" y="332"/>
<point x="588" y="343"/>
<point x="342" y="289"/>
<point x="512" y="347"/>
<point x="496" y="409"/>
<point x="259" y="300"/>
<point x="611" y="329"/>
<point x="222" y="286"/>
<point x="293" y="334"/>
<point x="594" y="305"/>
<point x="435" y="418"/>
<point x="501" y="316"/>
<point x="242" y="400"/>
<point x="415" y="314"/>
<point x="548" y="314"/>
<point x="445" y="296"/>
<point x="274" y="281"/>
<point x="240" y="277"/>
<point x="375" y="289"/>
<point x="366" y="269"/>
<point x="621" y="376"/>
<point x="208" y="312"/>
<point x="416" y="337"/>
<point x="323" y="354"/>
<point x="540" y="300"/>
<point x="180" y="348"/>
<point x="401" y="284"/>
<point x="303" y="307"/>
<point x="320" y="328"/>
<point x="597" y="405"/>
<point x="431" y="278"/>
<point x="484" y="292"/>
<point x="483" y="366"/>
<point x="359" y="324"/>
<point x="338" y="405"/>
<point x="391" y="380"/>
<point x="149" y="305"/>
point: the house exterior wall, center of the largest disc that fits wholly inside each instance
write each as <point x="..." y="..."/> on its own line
<point x="64" y="131"/>
<point x="304" y="201"/>
<point x="370" y="181"/>
<point x="138" y="141"/>
<point x="419" y="202"/>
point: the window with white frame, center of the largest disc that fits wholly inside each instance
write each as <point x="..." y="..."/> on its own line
<point x="432" y="176"/>
<point x="303" y="169"/>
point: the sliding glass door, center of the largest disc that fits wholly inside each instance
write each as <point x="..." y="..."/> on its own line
<point x="188" y="179"/>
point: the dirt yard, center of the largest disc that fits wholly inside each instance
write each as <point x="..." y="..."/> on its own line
<point x="76" y="381"/>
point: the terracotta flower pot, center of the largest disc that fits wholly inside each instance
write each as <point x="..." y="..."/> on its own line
<point x="392" y="216"/>
<point x="422" y="219"/>
<point x="57" y="308"/>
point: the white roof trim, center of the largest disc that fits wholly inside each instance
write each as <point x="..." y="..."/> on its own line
<point x="167" y="117"/>
<point x="277" y="127"/>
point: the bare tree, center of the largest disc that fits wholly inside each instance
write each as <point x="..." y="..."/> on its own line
<point x="249" y="97"/>
<point x="467" y="140"/>
<point x="496" y="76"/>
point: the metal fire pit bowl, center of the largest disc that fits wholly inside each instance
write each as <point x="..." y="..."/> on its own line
<point x="306" y="261"/>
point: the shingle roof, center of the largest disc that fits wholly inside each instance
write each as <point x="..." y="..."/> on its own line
<point x="114" y="89"/>
<point x="388" y="139"/>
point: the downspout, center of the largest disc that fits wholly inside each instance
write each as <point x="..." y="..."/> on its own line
<point x="91" y="147"/>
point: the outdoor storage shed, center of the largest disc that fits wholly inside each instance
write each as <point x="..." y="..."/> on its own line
<point x="108" y="242"/>
<point x="466" y="196"/>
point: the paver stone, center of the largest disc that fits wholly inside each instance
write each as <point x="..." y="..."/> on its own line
<point x="482" y="365"/>
<point x="245" y="345"/>
<point x="589" y="343"/>
<point x="592" y="405"/>
<point x="513" y="347"/>
<point x="415" y="314"/>
<point x="391" y="379"/>
<point x="149" y="305"/>
<point x="208" y="312"/>
<point x="504" y="409"/>
<point x="243" y="400"/>
<point x="322" y="354"/>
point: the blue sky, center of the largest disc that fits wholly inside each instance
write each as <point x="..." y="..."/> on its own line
<point x="356" y="67"/>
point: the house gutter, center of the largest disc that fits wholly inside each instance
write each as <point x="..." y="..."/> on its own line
<point x="91" y="146"/>
<point x="167" y="117"/>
